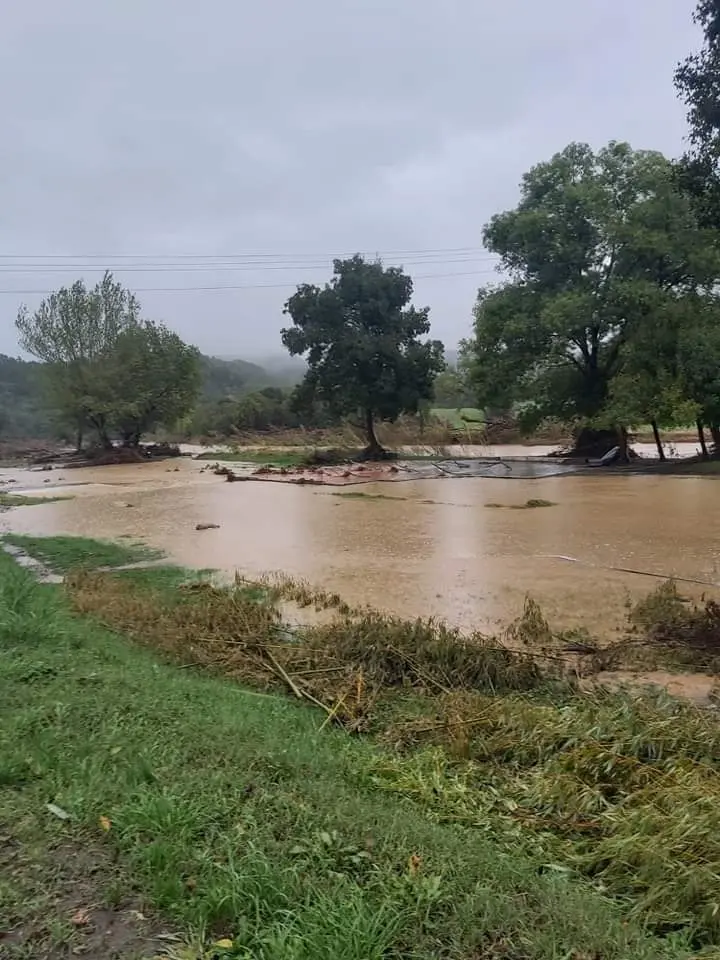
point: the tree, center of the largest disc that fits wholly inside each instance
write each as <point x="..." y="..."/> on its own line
<point x="72" y="332"/>
<point x="599" y="245"/>
<point x="699" y="365"/>
<point x="451" y="391"/>
<point x="697" y="80"/>
<point x="363" y="344"/>
<point x="105" y="367"/>
<point x="153" y="380"/>
<point x="649" y="387"/>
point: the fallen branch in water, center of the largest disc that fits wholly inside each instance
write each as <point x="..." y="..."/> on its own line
<point x="641" y="573"/>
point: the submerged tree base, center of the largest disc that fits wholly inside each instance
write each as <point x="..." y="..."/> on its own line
<point x="102" y="456"/>
<point x="374" y="453"/>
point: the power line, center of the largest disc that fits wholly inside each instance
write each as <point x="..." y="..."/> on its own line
<point x="209" y="268"/>
<point x="249" y="286"/>
<point x="250" y="257"/>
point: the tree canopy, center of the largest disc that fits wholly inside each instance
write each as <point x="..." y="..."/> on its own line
<point x="606" y="262"/>
<point x="152" y="379"/>
<point x="365" y="344"/>
<point x="105" y="368"/>
<point x="697" y="80"/>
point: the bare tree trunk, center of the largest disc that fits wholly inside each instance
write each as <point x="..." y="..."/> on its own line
<point x="701" y="437"/>
<point x="103" y="436"/>
<point x="79" y="439"/>
<point x="373" y="448"/>
<point x="623" y="444"/>
<point x="658" y="441"/>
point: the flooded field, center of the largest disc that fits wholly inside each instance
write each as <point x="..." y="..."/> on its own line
<point x="430" y="547"/>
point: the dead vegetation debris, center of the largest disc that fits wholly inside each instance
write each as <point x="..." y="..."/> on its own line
<point x="344" y="667"/>
<point x="532" y="504"/>
<point x="621" y="790"/>
<point x="221" y="470"/>
<point x="666" y="628"/>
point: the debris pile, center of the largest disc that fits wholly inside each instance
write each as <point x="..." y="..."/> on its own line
<point x="346" y="667"/>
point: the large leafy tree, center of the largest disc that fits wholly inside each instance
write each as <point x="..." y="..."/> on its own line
<point x="650" y="386"/>
<point x="104" y="367"/>
<point x="365" y="344"/>
<point x="698" y="82"/>
<point x="72" y="332"/>
<point x="699" y="364"/>
<point x="598" y="246"/>
<point x="451" y="390"/>
<point x="153" y="379"/>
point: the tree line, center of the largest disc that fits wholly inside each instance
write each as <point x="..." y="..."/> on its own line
<point x="608" y="316"/>
<point x="116" y="376"/>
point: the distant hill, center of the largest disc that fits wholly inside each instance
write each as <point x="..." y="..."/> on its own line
<point x="22" y="412"/>
<point x="224" y="377"/>
<point x="280" y="368"/>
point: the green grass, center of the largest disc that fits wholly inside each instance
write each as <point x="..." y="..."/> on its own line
<point x="164" y="578"/>
<point x="234" y="814"/>
<point x="22" y="500"/>
<point x="270" y="458"/>
<point x="61" y="554"/>
<point x="459" y="419"/>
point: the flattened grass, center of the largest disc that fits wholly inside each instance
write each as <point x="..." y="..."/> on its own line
<point x="242" y="817"/>
<point x="623" y="791"/>
<point x="61" y="554"/>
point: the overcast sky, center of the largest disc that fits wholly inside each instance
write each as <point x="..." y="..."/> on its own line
<point x="237" y="144"/>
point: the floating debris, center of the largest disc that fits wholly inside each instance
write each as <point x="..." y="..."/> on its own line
<point x="353" y="473"/>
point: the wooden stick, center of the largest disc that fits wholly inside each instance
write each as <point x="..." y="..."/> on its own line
<point x="450" y="723"/>
<point x="332" y="714"/>
<point x="418" y="671"/>
<point x="299" y="692"/>
<point x="641" y="573"/>
<point x="308" y="673"/>
<point x="288" y="680"/>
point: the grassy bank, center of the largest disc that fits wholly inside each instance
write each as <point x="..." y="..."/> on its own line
<point x="61" y="554"/>
<point x="270" y="458"/>
<point x="150" y="809"/>
<point x="24" y="500"/>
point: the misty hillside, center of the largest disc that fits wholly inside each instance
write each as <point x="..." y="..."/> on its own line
<point x="25" y="414"/>
<point x="281" y="368"/>
<point x="225" y="377"/>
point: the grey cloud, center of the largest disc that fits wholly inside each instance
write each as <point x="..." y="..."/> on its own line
<point x="173" y="127"/>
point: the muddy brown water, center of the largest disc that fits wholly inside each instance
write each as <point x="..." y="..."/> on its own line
<point x="454" y="558"/>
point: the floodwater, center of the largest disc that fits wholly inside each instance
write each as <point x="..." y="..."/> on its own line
<point x="453" y="557"/>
